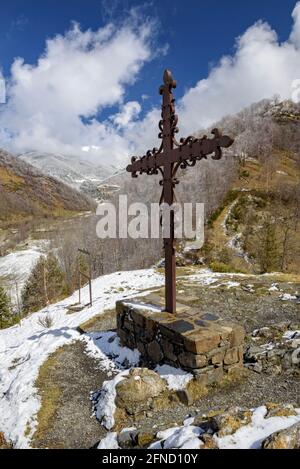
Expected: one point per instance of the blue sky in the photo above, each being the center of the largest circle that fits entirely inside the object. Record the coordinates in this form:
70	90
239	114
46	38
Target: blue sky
195	31
190	37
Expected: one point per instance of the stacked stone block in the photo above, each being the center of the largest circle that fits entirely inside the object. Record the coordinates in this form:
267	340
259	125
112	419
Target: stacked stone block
200	343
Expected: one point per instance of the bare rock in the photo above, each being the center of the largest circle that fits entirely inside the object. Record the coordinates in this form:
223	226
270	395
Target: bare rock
280	410
257	367
127	439
137	392
209	442
192	393
284	439
230	421
144	439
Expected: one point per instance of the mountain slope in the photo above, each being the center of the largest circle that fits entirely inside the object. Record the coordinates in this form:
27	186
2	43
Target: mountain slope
257	226
72	170
26	193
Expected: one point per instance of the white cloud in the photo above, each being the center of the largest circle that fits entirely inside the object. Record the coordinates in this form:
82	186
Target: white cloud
260	68
83	72
295	35
79	74
128	112
2	89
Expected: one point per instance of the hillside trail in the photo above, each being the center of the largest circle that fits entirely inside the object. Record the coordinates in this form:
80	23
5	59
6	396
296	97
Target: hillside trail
221	237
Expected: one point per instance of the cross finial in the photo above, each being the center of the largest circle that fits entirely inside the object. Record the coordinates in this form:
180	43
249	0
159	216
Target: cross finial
168	81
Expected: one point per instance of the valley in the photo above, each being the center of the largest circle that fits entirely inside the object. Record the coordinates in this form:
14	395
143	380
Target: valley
247	272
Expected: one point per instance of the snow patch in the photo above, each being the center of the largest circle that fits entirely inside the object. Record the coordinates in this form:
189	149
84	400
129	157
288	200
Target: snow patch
291	335
229	285
106	346
142	306
248	437
176	378
282	173
288	297
251	436
15	267
105	406
109	442
274	287
186	437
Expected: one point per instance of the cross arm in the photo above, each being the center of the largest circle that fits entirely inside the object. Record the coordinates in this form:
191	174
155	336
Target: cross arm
185	154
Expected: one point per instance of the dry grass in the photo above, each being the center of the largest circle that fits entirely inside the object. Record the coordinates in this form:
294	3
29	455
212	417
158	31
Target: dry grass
46	321
50	395
103	321
3	443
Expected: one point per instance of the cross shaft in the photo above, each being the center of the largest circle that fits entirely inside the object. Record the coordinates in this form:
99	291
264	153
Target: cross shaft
166	160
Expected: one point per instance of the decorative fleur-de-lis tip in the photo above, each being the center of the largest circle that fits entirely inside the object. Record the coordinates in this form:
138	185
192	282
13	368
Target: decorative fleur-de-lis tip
224	140
216	133
168	79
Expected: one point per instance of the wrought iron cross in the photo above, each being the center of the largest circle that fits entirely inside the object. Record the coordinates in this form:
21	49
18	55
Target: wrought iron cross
167	159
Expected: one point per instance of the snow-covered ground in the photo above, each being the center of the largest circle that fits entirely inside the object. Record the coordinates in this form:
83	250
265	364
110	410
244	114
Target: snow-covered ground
16	267
187	436
247	437
24	348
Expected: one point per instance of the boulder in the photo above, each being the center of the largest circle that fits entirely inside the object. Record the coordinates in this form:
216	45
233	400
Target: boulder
208	442
138	390
144	439
127	439
192	393
284	439
230	421
280	410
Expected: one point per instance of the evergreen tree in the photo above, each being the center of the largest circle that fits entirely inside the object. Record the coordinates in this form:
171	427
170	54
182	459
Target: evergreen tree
268	247
45	285
5	311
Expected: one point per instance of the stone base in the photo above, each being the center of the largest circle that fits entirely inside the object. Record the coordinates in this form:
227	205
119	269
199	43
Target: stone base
201	343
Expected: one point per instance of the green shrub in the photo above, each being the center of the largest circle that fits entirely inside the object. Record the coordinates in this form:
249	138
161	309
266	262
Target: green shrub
220	267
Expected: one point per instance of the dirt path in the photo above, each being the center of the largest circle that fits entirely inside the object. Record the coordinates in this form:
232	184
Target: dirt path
65	382
220	237
69	375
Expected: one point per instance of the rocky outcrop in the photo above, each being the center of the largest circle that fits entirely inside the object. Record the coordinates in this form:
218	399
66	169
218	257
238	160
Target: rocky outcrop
232	427
284	439
229	422
281	352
